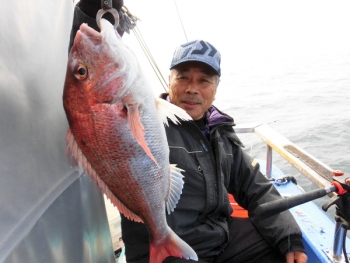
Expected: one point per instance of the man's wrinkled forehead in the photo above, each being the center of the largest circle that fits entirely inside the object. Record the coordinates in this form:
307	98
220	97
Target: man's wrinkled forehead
187	66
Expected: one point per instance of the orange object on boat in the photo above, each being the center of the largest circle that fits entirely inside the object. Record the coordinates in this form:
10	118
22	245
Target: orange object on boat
238	211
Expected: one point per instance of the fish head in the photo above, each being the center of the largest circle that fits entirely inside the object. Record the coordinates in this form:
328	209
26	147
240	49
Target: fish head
96	69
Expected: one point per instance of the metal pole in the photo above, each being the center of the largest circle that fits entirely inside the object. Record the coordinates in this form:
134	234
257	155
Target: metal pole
338	240
269	162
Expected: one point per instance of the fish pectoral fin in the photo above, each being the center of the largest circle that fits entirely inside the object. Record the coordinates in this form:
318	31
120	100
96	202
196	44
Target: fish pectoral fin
176	185
137	128
171	111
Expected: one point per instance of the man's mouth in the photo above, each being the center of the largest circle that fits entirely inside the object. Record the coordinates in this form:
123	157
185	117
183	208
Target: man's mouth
190	102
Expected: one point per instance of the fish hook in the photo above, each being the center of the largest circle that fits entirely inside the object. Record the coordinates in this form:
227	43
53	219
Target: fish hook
106	6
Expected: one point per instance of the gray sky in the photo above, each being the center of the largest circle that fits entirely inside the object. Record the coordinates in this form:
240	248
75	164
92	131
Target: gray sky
245	32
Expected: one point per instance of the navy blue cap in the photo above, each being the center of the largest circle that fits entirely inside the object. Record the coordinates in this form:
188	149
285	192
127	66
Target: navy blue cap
198	50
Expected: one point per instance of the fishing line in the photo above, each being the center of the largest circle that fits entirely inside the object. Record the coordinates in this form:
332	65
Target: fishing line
178	13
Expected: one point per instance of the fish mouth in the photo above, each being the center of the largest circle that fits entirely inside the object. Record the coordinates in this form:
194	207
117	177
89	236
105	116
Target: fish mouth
87	32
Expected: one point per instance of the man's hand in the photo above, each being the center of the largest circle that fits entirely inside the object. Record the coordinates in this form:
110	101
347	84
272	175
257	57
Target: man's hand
296	257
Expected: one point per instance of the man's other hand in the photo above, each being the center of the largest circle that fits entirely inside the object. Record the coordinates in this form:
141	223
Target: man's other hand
296	257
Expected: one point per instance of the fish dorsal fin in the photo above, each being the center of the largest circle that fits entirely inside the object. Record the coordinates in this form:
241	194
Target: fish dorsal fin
136	126
169	110
80	158
176	185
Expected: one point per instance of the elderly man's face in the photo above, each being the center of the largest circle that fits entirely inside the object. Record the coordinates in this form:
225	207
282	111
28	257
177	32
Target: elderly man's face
192	87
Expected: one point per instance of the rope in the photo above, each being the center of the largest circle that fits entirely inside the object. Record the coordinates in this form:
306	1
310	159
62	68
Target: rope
132	23
285	180
150	58
131	20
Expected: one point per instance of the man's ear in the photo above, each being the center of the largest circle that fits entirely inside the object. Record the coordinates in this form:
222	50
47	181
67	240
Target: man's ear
169	78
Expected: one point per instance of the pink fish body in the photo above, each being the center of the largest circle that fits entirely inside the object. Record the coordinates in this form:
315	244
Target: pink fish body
117	135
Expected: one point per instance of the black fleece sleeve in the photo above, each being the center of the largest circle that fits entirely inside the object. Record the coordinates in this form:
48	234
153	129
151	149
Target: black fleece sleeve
250	189
85	12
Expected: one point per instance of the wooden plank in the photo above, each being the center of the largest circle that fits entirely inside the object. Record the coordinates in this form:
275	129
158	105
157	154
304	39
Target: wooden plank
313	169
311	162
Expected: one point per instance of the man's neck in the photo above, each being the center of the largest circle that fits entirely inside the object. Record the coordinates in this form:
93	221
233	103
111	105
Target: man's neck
201	122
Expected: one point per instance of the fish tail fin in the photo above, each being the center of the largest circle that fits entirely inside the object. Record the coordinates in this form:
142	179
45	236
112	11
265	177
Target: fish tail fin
171	111
174	246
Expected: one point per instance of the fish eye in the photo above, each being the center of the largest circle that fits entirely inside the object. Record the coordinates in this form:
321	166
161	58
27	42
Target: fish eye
81	72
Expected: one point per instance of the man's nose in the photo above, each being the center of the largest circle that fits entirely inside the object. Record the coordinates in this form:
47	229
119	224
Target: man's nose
192	88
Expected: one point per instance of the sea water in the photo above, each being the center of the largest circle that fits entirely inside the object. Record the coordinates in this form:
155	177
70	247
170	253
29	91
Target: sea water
307	100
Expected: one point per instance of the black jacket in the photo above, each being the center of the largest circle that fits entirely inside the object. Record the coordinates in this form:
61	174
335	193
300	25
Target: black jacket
214	168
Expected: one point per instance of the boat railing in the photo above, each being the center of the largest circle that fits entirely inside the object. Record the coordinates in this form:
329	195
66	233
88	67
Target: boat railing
317	172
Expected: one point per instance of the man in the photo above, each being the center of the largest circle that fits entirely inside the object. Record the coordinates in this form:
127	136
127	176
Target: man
215	165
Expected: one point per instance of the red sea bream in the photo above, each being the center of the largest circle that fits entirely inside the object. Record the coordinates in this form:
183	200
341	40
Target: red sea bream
117	134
